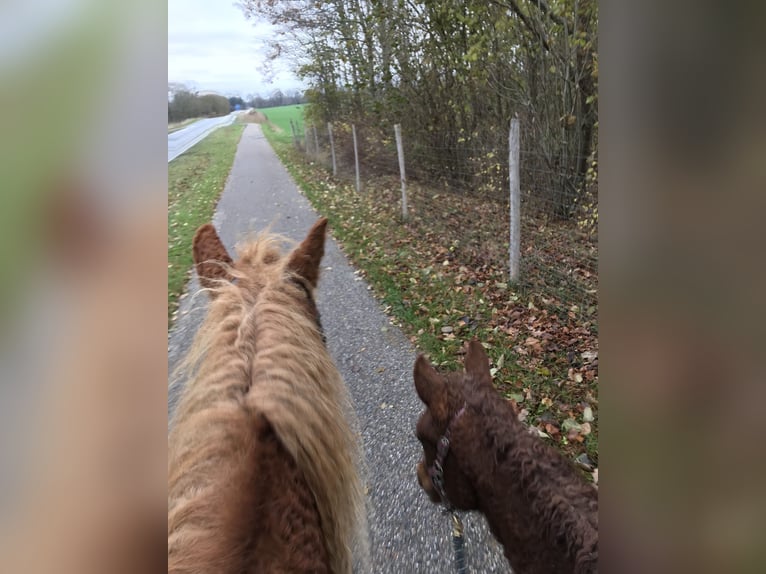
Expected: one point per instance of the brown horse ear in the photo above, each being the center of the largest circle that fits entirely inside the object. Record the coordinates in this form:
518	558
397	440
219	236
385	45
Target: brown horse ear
477	362
210	256
431	387
306	258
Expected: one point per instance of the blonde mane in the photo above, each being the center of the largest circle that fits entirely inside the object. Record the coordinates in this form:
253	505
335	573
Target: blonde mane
260	352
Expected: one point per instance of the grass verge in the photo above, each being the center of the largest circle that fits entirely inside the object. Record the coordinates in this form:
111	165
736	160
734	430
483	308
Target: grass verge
195	181
175	126
543	357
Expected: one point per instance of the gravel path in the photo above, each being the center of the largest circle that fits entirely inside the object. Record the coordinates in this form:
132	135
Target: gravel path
408	534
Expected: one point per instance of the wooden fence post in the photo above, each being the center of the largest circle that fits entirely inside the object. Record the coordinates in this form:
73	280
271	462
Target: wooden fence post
306	139
400	153
332	149
295	133
316	140
515	184
356	159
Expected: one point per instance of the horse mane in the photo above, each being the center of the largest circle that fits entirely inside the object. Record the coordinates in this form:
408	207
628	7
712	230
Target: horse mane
260	353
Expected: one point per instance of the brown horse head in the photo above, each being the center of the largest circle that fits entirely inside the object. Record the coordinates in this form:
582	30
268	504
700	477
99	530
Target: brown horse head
535	501
265	402
444	397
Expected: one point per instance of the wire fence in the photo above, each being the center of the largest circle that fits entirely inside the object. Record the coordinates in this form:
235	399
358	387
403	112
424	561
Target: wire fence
461	190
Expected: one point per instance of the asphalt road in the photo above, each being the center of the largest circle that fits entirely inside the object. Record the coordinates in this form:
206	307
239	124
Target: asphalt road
408	534
181	140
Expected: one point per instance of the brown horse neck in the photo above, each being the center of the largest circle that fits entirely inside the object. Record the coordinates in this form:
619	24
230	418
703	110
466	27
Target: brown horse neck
535	502
284	520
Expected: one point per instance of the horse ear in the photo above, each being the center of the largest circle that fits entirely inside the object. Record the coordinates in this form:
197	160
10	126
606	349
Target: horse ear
306	258
477	362
431	387
210	256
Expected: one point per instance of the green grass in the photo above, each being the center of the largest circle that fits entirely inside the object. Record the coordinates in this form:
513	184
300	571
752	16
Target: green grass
422	295
195	181
280	118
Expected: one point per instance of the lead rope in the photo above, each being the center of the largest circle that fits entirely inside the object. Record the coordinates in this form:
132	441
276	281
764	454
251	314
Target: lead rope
436	473
458	544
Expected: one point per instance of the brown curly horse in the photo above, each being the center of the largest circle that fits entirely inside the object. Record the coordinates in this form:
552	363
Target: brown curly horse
535	501
262	460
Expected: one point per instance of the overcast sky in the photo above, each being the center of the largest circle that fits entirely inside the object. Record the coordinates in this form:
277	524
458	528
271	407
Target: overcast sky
211	46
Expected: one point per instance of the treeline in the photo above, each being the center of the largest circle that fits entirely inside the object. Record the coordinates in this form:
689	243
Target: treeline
454	73
278	98
185	105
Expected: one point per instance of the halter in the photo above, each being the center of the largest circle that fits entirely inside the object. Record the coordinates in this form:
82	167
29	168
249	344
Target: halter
436	474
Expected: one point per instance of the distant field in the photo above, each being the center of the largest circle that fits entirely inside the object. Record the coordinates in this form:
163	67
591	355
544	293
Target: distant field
280	117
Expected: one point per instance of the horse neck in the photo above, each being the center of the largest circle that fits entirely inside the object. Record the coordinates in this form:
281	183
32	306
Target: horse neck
289	340
284	513
217	365
527	490
296	385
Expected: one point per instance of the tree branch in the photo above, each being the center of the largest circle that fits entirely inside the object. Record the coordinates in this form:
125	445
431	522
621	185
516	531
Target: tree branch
514	7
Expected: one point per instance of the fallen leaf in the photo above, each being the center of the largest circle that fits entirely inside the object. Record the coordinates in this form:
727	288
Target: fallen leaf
551	429
570	424
574	436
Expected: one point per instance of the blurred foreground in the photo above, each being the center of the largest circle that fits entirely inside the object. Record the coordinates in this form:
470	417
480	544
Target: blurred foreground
82	257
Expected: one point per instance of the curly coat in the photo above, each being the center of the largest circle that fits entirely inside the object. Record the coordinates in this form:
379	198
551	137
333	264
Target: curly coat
262	462
536	502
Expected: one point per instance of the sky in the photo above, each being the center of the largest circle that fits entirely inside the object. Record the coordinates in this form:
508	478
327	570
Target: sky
212	46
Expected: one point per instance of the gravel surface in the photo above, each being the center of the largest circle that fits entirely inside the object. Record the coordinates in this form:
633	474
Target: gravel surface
408	534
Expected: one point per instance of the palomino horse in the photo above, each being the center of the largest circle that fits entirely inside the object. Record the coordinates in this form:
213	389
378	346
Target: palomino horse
262	462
